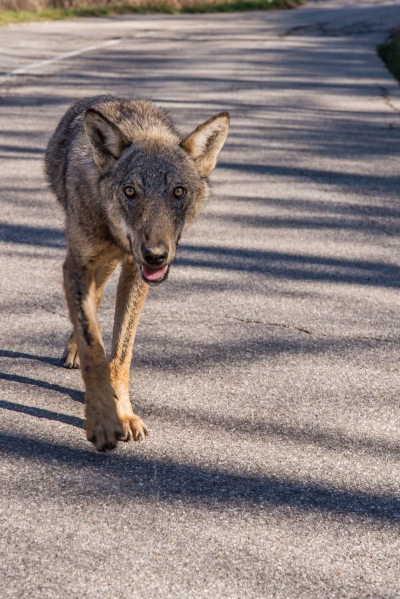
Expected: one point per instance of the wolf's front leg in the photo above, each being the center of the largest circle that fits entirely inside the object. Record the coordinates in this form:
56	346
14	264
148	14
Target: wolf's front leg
131	295
70	358
103	426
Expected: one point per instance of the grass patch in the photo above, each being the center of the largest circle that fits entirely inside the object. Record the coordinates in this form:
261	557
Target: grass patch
8	17
241	5
390	53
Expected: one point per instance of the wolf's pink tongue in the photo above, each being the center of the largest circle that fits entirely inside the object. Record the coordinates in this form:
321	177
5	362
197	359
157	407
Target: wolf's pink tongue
154	274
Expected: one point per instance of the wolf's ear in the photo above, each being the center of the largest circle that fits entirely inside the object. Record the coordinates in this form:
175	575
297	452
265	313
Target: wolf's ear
204	144
106	139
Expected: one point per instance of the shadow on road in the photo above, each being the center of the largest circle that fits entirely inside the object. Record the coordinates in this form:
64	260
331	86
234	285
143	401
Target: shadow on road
332	440
6	353
283	265
266	429
41	413
16	378
367	183
10	149
25	235
314	214
278	264
166	481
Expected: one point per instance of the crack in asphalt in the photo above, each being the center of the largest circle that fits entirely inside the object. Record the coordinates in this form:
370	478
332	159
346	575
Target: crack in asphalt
308	332
271	324
329	28
386	97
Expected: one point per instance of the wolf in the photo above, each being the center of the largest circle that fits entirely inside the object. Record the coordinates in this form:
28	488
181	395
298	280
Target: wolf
130	184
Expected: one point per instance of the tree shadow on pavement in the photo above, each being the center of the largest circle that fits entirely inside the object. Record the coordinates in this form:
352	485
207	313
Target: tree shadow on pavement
13	149
278	264
169	481
267	429
312	214
290	266
368	183
42	413
6	353
25	235
16	378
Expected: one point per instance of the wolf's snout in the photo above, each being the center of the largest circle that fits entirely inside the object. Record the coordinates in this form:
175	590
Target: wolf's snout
155	269
155	256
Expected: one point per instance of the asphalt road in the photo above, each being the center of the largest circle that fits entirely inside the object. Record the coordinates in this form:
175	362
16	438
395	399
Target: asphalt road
266	368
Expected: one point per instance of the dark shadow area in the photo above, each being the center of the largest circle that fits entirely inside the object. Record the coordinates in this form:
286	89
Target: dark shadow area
297	215
358	181
29	101
290	266
171	481
145	69
263	430
277	264
16	378
312	208
258	344
360	20
25	235
306	435
9	149
41	413
214	355
5	353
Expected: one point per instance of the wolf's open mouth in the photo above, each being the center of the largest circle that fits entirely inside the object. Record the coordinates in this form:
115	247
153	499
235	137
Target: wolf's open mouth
153	276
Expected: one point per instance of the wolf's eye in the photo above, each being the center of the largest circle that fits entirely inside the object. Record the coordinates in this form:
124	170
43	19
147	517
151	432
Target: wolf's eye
179	192
129	191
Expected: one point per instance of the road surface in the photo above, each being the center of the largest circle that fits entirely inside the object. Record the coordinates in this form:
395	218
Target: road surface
266	369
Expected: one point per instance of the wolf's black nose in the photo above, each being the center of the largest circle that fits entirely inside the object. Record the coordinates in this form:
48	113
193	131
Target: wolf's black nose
155	256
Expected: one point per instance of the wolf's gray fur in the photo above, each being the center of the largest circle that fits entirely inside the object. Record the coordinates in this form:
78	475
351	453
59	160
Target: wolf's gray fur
129	185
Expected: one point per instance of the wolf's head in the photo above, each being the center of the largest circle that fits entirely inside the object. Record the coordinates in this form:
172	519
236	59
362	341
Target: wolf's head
153	182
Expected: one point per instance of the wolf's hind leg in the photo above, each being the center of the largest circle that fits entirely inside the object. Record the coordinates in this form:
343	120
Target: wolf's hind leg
70	358
131	295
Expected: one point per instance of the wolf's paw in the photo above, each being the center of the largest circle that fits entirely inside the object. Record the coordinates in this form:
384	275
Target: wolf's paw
70	358
134	429
104	430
